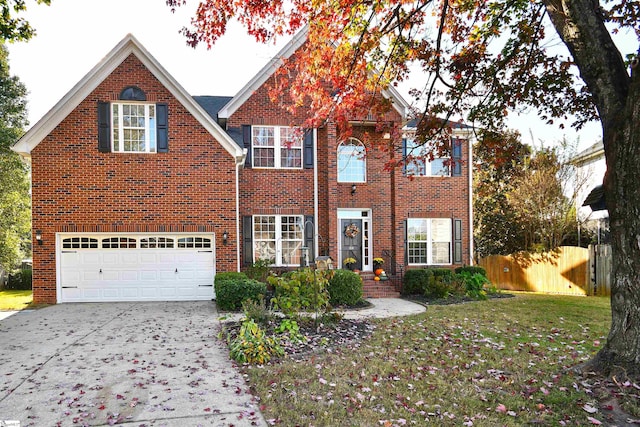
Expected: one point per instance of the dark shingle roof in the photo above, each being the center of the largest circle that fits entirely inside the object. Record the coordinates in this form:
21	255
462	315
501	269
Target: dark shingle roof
213	104
595	199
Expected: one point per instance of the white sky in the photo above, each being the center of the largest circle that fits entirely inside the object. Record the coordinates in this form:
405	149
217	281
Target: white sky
74	35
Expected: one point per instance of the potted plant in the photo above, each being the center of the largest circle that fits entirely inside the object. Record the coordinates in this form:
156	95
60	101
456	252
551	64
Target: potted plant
349	262
377	266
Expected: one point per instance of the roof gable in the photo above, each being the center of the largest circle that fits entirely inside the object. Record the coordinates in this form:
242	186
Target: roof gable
128	46
272	66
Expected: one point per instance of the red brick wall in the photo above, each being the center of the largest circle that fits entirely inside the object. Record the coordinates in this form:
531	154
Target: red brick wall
390	196
190	188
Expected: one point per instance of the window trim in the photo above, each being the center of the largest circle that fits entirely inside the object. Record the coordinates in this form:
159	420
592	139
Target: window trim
360	145
277	147
278	240
429	241
117	132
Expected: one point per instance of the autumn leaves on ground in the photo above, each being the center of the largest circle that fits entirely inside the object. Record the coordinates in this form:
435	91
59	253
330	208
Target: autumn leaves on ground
497	362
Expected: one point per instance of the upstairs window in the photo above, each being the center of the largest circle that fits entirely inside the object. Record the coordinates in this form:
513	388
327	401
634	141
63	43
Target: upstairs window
352	162
133	127
276	147
418	162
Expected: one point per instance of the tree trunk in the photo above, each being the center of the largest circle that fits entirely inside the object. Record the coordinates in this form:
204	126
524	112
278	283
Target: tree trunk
580	24
622	189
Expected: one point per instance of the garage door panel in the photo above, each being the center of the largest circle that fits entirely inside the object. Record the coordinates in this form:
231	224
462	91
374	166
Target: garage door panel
136	274
148	275
110	258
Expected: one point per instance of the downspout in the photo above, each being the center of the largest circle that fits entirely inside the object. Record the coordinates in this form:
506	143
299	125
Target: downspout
470	200
239	164
316	220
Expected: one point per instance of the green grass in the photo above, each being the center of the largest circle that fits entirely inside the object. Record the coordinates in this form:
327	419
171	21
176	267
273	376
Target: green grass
15	300
499	362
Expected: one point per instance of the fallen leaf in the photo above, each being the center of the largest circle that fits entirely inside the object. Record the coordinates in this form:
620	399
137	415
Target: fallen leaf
590	409
594	421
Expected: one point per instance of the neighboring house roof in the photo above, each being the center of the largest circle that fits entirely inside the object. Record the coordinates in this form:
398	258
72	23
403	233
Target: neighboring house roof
272	66
594	152
129	45
595	199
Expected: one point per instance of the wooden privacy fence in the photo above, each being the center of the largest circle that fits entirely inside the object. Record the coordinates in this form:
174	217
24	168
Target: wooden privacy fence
565	270
600	269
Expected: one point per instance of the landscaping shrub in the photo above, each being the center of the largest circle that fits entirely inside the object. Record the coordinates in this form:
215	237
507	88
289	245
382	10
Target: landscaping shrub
231	292
21	280
345	288
301	290
259	270
233	275
475	284
438	286
473	269
415	282
252	345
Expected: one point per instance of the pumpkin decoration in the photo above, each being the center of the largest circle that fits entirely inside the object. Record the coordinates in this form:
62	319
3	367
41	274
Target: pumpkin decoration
377	278
379	272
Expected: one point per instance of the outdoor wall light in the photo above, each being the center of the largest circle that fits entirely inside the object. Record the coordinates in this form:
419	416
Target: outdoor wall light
39	236
225	237
353	189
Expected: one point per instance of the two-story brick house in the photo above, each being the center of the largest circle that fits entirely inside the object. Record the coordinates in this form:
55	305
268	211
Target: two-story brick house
143	192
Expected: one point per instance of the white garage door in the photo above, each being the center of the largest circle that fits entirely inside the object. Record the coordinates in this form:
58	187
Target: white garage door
135	267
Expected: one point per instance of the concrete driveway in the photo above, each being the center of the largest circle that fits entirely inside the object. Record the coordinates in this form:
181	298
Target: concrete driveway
137	364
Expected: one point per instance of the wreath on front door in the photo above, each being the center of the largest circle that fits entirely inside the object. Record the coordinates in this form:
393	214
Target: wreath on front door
351	231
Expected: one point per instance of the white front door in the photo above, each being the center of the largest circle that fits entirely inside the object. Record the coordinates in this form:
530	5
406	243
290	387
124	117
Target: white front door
135	267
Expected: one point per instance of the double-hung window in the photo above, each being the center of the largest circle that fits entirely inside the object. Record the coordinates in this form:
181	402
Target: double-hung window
278	238
133	127
429	241
419	163
276	147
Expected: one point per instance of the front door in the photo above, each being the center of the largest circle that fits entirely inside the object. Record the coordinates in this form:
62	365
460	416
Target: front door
352	241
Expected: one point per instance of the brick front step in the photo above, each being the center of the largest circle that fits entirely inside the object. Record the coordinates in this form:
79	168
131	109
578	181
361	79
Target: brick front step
378	289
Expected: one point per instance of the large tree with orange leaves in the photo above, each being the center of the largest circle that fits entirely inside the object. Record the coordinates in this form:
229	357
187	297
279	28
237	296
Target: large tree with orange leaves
480	60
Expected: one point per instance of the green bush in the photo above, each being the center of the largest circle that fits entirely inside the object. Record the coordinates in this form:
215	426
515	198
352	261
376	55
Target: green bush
230	293
301	290
20	280
445	273
253	346
415	282
230	275
260	270
438	287
345	288
473	269
475	284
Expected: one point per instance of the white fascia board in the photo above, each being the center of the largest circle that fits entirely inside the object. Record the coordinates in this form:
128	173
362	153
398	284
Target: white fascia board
129	45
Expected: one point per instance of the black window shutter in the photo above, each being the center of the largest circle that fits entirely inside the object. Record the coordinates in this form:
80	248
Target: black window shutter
309	231
457	241
457	157
247	240
307	153
246	141
104	127
162	127
404	156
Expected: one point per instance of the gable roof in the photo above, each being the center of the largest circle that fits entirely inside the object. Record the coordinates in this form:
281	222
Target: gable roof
129	45
272	66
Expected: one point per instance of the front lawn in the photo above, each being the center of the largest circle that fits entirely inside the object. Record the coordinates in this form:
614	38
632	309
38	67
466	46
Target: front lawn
497	362
15	300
